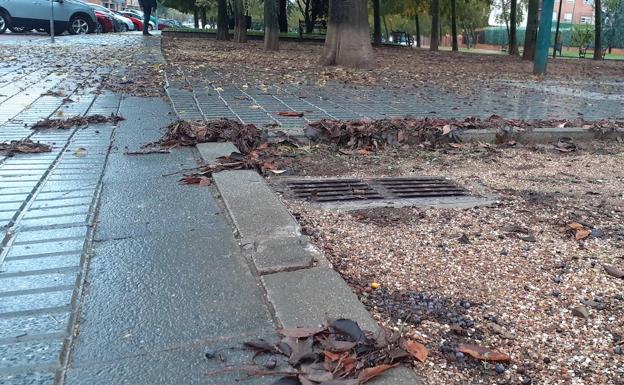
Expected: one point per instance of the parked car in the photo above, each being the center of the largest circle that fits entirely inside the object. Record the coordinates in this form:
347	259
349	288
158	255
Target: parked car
139	15
169	23
69	15
105	23
122	23
138	24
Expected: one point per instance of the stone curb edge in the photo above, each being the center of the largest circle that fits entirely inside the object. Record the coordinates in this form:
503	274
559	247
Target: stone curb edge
300	284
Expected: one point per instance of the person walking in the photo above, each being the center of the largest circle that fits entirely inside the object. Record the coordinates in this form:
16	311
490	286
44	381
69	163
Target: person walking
147	6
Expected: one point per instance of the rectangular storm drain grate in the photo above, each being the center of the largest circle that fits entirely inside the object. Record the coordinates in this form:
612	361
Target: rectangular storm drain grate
335	190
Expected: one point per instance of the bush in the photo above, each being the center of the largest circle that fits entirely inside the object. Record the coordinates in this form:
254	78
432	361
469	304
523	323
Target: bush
582	35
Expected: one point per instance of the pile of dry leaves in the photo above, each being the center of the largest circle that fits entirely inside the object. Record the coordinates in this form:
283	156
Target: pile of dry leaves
185	133
427	132
342	354
24	146
76	121
339	354
258	151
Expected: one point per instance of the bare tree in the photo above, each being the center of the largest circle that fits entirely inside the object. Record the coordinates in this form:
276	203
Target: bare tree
348	35
435	25
240	22
222	21
271	25
598	30
530	37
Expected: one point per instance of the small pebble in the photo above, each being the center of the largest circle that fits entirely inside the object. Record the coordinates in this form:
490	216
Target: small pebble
210	353
500	368
618	350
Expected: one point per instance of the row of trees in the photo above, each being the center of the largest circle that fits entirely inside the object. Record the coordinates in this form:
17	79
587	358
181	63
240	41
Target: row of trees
348	33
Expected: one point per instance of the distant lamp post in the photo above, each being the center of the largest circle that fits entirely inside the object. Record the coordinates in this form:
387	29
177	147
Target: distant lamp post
52	20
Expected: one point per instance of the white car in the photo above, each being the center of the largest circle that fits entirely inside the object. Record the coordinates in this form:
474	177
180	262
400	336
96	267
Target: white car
126	24
69	15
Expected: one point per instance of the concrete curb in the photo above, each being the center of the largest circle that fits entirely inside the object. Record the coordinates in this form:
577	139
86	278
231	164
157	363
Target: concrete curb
537	135
301	286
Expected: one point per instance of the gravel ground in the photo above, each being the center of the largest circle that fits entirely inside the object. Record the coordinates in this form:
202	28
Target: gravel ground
505	277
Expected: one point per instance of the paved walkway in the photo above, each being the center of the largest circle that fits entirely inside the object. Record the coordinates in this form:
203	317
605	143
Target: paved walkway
110	273
211	98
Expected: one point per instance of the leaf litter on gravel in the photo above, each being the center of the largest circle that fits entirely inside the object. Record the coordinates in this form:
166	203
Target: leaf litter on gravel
431	132
24	146
340	353
76	121
258	148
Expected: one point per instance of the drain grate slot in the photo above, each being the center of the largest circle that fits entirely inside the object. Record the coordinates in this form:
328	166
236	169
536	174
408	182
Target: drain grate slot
333	190
338	190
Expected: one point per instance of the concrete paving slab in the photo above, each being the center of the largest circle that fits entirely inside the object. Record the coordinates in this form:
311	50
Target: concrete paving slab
312	296
146	293
154	206
279	254
210	152
253	206
184	364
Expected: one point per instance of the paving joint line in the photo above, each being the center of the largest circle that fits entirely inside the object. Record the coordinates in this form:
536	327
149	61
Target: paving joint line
50	289
32	338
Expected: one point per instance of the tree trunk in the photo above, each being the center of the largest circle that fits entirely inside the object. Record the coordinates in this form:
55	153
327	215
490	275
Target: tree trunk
513	24
386	27
240	24
309	24
222	21
377	23
435	25
598	26
454	24
283	15
203	17
271	25
195	16
348	35
530	37
417	30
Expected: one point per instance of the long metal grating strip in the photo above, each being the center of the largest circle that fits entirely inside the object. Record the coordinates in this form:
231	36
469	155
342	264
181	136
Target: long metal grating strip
336	190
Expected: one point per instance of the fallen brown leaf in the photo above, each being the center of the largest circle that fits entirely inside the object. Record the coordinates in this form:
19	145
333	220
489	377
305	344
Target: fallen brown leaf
370	373
484	354
417	350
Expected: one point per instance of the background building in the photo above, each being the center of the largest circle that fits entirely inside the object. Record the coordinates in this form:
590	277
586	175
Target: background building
575	11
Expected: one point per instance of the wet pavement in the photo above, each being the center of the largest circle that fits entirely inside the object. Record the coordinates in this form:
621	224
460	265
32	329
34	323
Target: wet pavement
211	97
110	273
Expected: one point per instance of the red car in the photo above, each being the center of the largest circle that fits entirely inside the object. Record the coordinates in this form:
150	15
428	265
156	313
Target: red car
138	24
104	23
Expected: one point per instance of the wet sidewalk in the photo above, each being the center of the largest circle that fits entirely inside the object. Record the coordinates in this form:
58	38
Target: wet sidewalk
110	272
166	280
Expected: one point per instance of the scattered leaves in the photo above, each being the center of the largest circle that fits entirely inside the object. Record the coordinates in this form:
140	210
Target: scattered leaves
24	146
76	121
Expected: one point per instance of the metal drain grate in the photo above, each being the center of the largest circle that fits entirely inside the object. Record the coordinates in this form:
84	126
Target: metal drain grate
336	190
333	190
423	187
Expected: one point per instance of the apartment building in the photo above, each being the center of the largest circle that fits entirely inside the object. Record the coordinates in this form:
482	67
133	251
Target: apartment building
575	11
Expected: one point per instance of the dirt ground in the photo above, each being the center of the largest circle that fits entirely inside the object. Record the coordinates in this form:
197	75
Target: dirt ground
507	277
396	67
